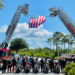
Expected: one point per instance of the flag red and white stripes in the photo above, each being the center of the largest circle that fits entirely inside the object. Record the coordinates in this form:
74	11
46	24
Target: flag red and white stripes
35	22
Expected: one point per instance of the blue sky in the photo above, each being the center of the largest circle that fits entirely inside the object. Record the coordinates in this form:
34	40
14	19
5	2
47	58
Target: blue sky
36	8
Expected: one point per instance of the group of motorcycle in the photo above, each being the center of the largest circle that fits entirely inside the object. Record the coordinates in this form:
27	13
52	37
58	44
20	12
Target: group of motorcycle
37	68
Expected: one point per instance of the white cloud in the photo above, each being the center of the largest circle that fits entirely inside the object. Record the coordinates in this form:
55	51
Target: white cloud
3	28
33	36
43	33
39	32
64	33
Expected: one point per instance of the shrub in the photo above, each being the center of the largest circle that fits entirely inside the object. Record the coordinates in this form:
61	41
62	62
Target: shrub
56	58
69	67
72	71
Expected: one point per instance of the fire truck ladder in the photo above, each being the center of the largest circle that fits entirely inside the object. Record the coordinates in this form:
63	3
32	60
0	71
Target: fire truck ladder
13	23
70	25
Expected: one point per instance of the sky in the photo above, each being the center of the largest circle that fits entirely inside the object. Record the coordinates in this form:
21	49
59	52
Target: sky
35	37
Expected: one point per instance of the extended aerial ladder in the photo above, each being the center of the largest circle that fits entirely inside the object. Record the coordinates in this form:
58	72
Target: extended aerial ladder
13	23
4	52
70	25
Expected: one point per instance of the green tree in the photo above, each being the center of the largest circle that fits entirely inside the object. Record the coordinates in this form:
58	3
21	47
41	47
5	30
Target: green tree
1	4
49	41
70	41
65	40
54	42
0	45
17	44
57	38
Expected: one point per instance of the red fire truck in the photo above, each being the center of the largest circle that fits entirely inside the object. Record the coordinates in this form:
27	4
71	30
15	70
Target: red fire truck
4	52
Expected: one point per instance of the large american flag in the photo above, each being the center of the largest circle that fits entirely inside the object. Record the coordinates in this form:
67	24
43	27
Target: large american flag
35	22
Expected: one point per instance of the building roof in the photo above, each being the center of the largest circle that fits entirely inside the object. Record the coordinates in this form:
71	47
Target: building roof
68	56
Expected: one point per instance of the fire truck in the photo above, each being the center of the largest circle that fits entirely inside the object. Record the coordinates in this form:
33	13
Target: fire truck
4	52
67	21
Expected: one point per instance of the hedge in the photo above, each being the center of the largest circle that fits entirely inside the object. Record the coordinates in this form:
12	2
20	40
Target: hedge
72	71
69	67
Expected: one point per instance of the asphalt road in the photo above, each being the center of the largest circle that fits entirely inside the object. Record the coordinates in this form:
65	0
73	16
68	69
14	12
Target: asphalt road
40	73
29	74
